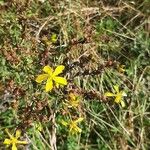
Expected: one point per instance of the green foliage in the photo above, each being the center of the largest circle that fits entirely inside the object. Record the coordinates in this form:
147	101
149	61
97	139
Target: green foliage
92	40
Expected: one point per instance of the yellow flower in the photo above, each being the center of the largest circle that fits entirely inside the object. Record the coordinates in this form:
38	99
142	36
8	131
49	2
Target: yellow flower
48	42
54	38
118	95
73	128
51	77
121	69
14	140
73	101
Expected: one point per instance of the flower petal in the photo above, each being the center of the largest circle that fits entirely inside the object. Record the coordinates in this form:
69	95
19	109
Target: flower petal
58	70
64	123
116	87
79	120
14	146
41	77
18	133
72	97
48	70
71	130
11	136
49	85
60	80
74	130
7	141
109	94
74	103
118	98
78	129
54	38
57	85
22	142
121	69
122	103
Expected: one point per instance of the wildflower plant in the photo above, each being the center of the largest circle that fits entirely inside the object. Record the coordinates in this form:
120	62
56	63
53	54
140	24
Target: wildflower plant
52	77
97	48
14	139
118	95
73	101
52	40
72	125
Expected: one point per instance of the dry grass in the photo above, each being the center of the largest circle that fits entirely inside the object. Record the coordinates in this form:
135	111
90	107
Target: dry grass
94	38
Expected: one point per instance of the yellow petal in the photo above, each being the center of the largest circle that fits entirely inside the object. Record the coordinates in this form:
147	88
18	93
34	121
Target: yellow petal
48	70
122	103
116	87
57	85
11	136
78	129
18	133
71	130
54	38
64	123
118	98
41	77
38	126
78	120
7	141
73	103
14	146
109	94
74	129
22	142
58	70
121	69
49	85
60	80
72	96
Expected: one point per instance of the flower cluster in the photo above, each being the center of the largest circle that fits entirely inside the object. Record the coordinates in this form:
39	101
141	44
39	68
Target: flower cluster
53	80
72	102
